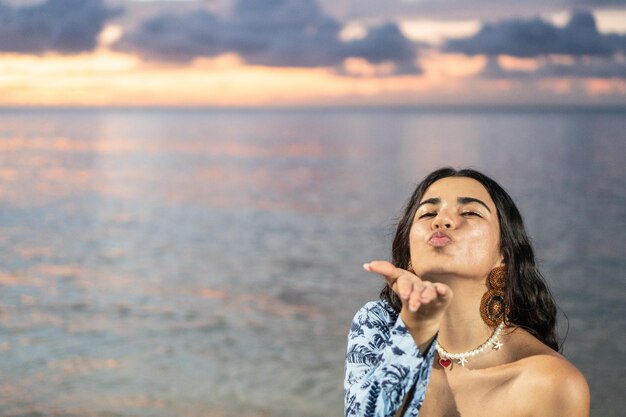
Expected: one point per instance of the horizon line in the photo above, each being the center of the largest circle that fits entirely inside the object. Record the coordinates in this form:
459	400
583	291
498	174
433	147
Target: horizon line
502	107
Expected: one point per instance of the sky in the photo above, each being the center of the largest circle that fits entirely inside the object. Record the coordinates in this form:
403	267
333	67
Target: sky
266	53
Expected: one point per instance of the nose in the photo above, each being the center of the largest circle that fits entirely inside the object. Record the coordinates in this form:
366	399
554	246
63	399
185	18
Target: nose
443	221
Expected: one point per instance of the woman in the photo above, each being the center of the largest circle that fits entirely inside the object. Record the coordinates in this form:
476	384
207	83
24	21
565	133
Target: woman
465	325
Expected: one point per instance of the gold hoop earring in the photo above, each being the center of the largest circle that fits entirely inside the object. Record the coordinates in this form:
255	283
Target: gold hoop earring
493	308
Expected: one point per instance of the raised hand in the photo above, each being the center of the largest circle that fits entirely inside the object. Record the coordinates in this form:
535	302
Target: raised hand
423	302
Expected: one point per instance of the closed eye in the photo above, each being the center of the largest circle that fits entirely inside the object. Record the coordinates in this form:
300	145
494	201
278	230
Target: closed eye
471	213
426	215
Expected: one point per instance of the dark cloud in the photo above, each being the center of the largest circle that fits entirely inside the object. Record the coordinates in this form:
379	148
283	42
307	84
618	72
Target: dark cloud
594	55
455	10
593	69
268	32
177	37
66	26
580	68
385	43
536	37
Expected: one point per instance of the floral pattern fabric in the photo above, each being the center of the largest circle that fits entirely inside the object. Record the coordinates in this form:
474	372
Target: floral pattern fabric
382	364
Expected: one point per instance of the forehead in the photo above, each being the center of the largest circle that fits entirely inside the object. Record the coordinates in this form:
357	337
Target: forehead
453	187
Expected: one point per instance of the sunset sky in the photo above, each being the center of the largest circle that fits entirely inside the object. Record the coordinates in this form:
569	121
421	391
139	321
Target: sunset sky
240	53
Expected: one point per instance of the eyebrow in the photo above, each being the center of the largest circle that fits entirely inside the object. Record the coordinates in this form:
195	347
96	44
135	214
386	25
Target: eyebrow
460	200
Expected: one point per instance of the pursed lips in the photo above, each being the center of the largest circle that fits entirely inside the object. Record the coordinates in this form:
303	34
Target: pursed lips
439	239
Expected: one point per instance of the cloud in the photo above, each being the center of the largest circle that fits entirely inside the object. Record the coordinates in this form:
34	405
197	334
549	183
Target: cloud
451	10
176	37
384	43
587	68
593	54
593	69
536	37
66	26
280	33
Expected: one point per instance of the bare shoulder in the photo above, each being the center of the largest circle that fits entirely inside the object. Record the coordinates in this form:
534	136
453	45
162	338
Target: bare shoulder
556	386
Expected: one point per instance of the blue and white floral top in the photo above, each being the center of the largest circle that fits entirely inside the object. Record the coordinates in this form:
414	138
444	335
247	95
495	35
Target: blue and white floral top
382	364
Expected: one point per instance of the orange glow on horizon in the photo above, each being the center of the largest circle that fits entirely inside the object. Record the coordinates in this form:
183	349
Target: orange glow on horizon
106	78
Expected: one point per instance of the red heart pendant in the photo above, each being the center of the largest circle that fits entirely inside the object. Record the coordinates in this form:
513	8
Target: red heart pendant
445	362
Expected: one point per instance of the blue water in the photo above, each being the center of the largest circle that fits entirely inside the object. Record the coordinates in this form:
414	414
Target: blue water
207	263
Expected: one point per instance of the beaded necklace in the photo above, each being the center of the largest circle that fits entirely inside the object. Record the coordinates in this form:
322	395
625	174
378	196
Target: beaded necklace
445	358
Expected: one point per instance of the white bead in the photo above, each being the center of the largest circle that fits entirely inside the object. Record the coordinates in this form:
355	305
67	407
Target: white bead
462	357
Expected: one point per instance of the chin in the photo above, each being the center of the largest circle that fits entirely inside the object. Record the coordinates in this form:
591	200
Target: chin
434	271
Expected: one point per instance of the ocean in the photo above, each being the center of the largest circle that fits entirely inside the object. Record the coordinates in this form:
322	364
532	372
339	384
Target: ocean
203	262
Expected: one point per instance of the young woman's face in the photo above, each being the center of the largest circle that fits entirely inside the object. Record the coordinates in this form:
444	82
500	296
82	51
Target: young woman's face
455	230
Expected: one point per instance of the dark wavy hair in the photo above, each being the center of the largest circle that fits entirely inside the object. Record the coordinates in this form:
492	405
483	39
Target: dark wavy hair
531	305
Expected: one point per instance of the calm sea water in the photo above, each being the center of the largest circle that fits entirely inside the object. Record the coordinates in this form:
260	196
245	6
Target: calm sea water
207	263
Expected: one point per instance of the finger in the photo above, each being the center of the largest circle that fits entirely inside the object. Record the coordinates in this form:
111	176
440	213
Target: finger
414	299
404	288
428	293
386	269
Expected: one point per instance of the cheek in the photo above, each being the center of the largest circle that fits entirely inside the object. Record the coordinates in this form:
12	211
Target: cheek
484	243
416	240
421	229
418	234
